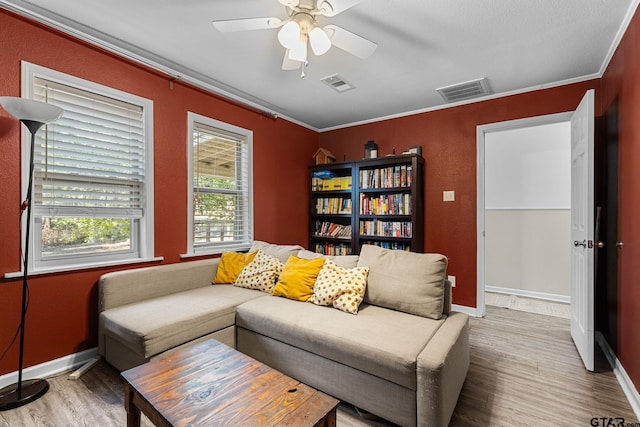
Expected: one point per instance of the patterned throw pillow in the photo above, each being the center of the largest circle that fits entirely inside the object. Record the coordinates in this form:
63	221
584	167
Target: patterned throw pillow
261	273
341	287
231	265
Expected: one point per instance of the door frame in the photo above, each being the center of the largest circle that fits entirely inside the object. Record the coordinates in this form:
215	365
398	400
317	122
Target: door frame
481	132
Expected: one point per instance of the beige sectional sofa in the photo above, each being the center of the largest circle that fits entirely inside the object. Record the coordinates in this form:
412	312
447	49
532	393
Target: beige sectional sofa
403	357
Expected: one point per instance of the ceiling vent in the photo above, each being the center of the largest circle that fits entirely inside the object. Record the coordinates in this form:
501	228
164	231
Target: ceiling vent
466	90
337	83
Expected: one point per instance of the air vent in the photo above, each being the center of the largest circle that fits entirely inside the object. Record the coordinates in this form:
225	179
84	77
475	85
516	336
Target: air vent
466	90
337	83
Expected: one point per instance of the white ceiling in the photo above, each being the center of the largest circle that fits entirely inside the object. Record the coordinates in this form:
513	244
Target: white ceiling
422	45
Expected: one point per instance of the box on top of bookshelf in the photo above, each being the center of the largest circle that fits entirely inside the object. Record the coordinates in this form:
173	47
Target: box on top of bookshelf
332	177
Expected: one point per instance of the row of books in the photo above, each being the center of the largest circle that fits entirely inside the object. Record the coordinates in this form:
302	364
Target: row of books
333	249
330	184
385	228
389	177
386	204
399	246
333	205
330	229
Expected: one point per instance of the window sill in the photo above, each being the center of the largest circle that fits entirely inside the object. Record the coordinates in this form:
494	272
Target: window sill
70	268
217	251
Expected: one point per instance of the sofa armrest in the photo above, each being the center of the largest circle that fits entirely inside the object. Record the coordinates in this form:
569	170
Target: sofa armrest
441	370
446	306
130	286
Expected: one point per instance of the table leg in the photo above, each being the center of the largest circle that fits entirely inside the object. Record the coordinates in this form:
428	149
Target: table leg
329	420
133	412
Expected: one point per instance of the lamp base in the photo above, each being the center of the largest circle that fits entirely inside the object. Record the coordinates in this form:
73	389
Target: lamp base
31	390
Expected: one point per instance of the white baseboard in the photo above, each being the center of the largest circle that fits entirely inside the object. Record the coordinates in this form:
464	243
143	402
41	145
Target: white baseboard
51	367
471	311
621	375
529	294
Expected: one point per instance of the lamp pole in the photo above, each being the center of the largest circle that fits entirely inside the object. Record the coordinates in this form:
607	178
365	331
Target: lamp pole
33	127
33	115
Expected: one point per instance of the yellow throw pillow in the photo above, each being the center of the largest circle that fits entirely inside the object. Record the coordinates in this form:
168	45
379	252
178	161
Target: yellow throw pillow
261	273
341	287
230	266
297	278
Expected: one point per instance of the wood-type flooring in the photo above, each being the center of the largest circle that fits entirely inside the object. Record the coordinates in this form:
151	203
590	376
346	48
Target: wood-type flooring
525	371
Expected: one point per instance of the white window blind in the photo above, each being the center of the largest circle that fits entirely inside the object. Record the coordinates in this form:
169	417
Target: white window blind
93	174
221	188
93	158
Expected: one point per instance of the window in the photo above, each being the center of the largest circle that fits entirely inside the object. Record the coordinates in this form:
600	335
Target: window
220	186
93	176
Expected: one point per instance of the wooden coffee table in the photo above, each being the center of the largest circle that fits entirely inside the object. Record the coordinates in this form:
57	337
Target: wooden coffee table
212	384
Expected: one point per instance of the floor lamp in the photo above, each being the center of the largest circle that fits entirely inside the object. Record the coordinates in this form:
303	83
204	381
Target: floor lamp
33	114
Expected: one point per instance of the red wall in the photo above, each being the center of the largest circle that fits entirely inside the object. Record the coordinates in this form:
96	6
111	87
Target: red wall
448	140
622	79
62	317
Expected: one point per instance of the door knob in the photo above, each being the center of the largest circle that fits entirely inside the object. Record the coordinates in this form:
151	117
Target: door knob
577	243
619	245
599	244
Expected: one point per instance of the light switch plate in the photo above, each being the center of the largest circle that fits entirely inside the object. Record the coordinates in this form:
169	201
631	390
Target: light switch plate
448	196
452	279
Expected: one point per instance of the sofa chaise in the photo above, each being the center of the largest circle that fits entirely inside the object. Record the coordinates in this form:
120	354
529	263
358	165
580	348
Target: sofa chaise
404	356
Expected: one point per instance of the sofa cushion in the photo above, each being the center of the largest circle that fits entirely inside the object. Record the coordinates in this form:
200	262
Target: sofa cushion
261	273
298	278
382	342
343	288
139	284
345	261
231	264
405	281
158	324
282	252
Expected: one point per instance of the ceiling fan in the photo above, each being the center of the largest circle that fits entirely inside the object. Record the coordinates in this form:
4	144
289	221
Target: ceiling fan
300	29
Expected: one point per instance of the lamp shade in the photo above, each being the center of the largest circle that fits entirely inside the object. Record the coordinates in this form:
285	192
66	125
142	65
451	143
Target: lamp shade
298	52
319	41
30	110
289	34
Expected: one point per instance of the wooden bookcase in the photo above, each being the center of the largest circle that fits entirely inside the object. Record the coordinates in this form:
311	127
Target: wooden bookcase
332	208
376	201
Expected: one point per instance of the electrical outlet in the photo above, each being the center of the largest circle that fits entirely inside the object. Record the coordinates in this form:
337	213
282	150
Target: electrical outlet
449	196
452	279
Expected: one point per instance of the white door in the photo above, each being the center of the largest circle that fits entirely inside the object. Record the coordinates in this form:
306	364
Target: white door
582	229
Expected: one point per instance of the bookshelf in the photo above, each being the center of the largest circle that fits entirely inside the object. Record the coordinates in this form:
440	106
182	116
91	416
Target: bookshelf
390	202
331	225
375	201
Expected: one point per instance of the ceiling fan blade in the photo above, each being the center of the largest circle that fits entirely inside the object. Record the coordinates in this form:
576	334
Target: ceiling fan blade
334	7
290	3
350	42
289	64
230	25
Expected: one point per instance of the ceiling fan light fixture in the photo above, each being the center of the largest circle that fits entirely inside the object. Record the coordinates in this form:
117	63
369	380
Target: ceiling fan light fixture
298	52
319	41
289	35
